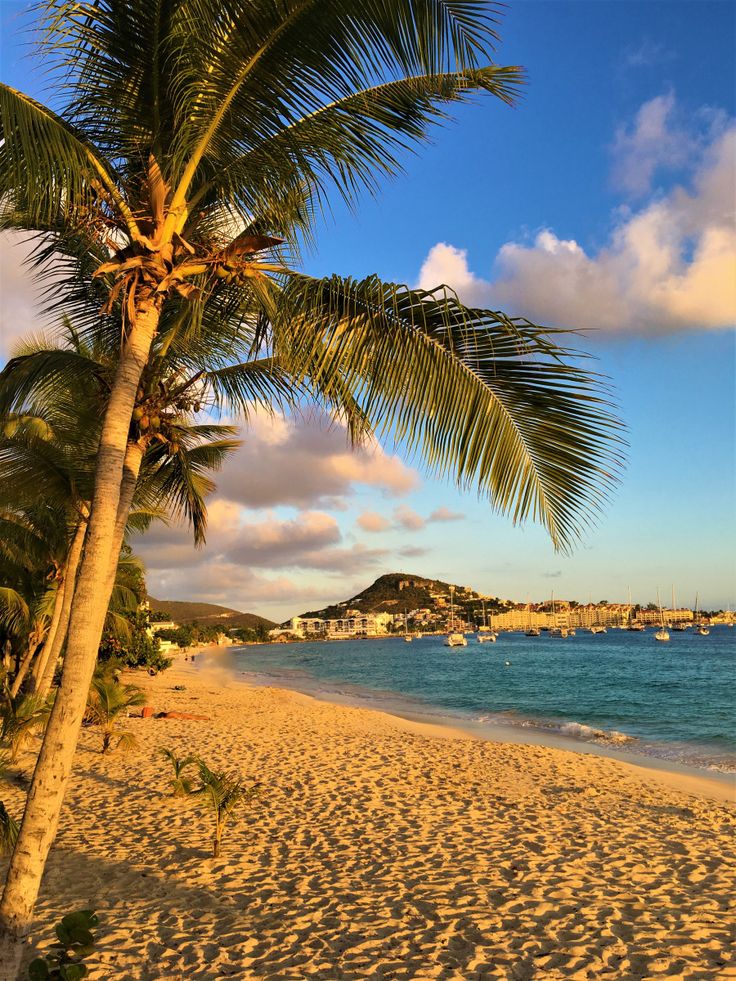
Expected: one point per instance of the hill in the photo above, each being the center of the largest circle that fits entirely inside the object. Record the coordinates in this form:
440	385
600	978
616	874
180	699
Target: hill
208	614
399	591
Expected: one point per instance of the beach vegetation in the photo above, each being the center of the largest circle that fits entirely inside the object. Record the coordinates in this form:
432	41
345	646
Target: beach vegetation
223	794
22	717
9	828
109	700
181	785
193	149
136	648
74	942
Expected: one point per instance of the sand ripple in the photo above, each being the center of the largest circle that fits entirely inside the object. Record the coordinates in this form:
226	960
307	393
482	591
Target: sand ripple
382	852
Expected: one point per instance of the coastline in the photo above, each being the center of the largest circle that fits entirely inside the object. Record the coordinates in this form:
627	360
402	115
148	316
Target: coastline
380	847
679	776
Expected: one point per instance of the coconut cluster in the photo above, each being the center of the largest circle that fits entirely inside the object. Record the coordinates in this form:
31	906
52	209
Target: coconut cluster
156	412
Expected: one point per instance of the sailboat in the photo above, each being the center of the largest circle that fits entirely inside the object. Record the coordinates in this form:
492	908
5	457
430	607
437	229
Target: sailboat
662	633
700	626
408	638
531	631
638	627
556	631
484	635
679	625
454	639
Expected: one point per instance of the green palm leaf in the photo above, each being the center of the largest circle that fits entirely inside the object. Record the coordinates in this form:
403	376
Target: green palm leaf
494	400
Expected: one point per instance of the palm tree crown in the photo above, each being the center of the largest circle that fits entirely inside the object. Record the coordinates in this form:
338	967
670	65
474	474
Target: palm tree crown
197	144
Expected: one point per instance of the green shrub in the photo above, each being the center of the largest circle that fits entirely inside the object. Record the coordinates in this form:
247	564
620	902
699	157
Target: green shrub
74	942
9	829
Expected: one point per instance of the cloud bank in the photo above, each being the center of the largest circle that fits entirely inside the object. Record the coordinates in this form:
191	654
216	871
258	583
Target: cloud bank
668	265
253	553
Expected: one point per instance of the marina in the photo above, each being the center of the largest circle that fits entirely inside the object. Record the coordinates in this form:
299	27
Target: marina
603	689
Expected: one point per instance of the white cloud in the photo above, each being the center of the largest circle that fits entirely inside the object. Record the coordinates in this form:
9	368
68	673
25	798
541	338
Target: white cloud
654	141
307	462
647	54
372	522
18	294
244	561
273	543
445	514
408	519
671	265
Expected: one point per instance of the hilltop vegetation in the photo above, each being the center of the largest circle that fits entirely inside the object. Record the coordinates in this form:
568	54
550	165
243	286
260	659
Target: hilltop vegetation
399	591
208	614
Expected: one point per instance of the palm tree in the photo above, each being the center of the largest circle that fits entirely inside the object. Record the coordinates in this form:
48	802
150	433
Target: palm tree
223	795
106	702
198	142
180	784
46	464
21	717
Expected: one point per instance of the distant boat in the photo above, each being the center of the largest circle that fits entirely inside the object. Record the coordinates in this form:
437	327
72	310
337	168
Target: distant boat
638	627
486	636
662	633
598	630
679	625
454	639
530	630
554	630
408	638
701	628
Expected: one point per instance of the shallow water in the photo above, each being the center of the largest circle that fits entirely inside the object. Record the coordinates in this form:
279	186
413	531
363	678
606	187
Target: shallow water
674	701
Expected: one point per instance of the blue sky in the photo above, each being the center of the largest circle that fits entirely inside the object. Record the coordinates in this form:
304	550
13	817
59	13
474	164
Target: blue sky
604	200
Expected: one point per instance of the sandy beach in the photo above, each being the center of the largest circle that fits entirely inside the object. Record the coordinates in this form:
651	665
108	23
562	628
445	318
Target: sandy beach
383	848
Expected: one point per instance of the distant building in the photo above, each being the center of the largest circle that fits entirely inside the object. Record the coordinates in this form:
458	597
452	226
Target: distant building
162	625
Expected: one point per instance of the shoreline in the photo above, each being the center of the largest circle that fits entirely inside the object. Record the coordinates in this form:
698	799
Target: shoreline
379	847
678	776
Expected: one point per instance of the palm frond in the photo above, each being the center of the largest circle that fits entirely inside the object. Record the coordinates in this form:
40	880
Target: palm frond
48	166
495	400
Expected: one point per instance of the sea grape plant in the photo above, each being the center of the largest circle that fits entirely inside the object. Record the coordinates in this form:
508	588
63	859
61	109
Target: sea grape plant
74	942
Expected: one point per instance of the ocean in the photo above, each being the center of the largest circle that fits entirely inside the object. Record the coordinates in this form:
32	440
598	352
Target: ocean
672	701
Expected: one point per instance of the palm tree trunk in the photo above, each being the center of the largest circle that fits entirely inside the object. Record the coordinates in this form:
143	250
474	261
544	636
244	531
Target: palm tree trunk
91	598
45	667
33	646
131	470
43	653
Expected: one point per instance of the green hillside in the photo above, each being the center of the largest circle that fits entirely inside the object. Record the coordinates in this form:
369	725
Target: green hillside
208	614
399	591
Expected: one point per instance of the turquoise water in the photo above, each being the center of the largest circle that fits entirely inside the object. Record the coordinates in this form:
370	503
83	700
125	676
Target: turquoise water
674	701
